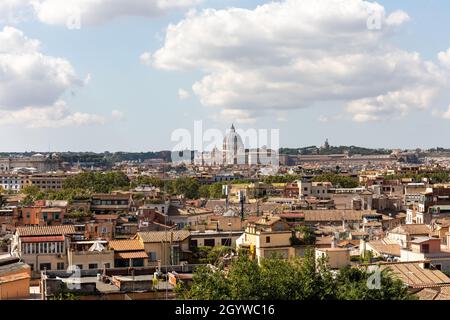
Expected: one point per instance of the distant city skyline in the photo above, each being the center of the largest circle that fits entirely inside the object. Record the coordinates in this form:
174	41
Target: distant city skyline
95	77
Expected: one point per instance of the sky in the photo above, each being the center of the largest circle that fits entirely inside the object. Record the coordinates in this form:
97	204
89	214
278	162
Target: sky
113	75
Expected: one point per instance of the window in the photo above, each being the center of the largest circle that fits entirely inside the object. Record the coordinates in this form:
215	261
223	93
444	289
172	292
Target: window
210	242
137	262
60	266
93	266
151	256
425	248
80	266
267	239
438	266
226	242
194	243
31	266
45	266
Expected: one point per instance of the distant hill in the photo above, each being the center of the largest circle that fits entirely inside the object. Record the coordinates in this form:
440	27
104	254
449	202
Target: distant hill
351	150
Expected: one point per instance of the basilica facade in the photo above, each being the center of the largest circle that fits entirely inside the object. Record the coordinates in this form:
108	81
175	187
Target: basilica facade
234	153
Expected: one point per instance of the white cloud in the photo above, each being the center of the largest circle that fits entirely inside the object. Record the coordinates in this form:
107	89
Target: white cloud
116	114
397	18
27	76
146	58
444	58
56	116
13	11
92	12
234	115
183	94
85	12
31	84
290	54
445	114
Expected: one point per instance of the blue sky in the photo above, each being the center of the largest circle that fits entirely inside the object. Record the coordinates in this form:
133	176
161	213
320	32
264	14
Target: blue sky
148	109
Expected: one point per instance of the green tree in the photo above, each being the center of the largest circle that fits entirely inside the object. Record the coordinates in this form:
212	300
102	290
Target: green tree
215	191
352	283
203	191
65	296
337	180
307	235
295	279
101	182
188	187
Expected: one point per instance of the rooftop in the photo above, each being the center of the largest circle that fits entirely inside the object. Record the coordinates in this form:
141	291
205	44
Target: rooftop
412	274
45	230
411	229
166	236
126	245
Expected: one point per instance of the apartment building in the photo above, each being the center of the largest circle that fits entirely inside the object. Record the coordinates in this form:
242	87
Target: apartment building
211	238
47	181
315	189
12	182
43	247
41	215
44	181
111	203
129	253
427	249
267	237
404	234
90	255
165	247
336	258
38	162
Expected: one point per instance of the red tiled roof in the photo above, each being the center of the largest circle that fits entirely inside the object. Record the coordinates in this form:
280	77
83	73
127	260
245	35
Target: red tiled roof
45	230
291	215
42	239
106	217
132	255
126	245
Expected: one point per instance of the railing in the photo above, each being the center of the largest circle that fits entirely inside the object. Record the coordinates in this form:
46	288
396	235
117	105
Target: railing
85	253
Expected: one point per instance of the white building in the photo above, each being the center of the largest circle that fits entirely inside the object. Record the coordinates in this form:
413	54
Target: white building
315	189
233	148
11	182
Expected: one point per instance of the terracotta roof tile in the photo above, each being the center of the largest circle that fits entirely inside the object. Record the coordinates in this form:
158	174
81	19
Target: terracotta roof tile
412	229
126	245
132	255
158	236
45	230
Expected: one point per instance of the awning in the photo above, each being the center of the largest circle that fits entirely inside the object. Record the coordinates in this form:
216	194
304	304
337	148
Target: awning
132	255
42	239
